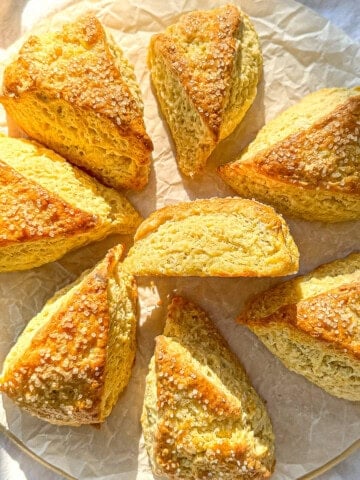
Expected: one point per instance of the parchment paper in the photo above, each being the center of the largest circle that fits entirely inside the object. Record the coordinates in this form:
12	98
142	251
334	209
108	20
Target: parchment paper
302	53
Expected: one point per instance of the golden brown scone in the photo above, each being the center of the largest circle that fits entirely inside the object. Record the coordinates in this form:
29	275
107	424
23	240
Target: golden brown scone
75	357
225	237
205	69
73	91
312	323
201	416
48	207
306	161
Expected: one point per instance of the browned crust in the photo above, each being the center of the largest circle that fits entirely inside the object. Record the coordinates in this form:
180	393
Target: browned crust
228	206
328	317
89	81
297	160
61	378
175	376
226	454
206	83
177	381
29	212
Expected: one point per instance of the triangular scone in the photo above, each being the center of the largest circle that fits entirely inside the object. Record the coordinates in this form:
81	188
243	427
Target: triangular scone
73	91
205	69
48	207
312	323
75	357
201	416
225	237
306	161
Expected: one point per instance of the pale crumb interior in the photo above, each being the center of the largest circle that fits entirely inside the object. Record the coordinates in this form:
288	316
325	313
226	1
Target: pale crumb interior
336	372
122	331
193	140
214	244
83	139
310	204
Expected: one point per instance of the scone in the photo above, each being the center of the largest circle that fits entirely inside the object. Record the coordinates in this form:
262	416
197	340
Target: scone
73	91
201	416
225	237
306	161
312	323
75	357
205	69
48	207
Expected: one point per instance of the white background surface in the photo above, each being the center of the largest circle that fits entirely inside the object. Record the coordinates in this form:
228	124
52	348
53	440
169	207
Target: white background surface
15	465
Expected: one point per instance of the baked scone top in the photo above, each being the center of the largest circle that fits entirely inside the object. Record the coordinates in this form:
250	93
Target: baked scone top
325	304
306	161
43	196
202	418
313	144
323	154
28	212
201	49
78	64
72	359
66	355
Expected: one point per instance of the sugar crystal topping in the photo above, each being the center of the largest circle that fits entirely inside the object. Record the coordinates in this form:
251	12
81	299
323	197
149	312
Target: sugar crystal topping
62	374
202	56
327	155
29	212
75	64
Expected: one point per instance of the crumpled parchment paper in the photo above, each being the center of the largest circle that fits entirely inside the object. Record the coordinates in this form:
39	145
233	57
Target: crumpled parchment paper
302	53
